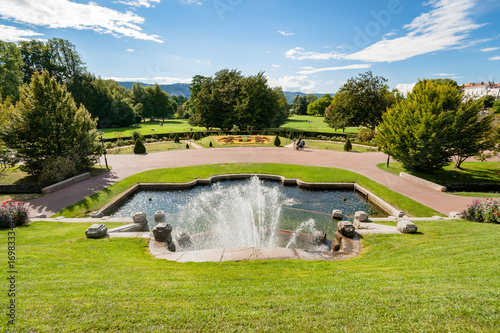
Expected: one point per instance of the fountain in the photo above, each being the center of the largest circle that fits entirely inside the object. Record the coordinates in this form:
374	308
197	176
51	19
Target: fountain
251	213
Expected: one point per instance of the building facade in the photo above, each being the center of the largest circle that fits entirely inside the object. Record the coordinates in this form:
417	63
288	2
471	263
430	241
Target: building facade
478	90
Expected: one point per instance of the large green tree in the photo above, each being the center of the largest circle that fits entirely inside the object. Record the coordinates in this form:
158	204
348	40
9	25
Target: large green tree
429	127
299	105
57	56
318	107
336	114
368	97
157	103
48	125
10	71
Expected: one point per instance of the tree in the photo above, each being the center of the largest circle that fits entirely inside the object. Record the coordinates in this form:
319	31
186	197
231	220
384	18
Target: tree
348	145
496	106
368	97
57	56
488	101
318	107
431	125
311	98
157	103
337	113
48	125
299	105
139	147
277	141
470	135
10	71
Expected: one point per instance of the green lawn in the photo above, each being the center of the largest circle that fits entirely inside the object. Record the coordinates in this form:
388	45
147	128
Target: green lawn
336	146
314	124
306	123
443	279
14	175
150	148
471	173
169	126
305	173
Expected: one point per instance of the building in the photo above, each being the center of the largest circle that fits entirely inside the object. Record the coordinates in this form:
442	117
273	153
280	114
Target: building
478	90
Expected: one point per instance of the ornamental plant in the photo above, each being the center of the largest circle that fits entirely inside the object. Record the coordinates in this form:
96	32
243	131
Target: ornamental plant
13	214
483	210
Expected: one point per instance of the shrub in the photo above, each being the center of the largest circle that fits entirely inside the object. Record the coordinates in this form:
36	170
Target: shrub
210	144
176	138
347	145
365	135
277	141
484	210
139	147
13	214
136	135
187	145
56	170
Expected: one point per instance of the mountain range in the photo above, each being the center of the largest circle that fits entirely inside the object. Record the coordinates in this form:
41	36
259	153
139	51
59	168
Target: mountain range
183	89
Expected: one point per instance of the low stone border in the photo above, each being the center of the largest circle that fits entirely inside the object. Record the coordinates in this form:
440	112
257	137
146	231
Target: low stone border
65	183
369	196
21	188
434	186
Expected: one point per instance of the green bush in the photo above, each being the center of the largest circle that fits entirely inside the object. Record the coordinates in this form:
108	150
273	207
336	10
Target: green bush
347	145
210	144
277	141
176	138
139	147
56	170
365	135
187	145
136	135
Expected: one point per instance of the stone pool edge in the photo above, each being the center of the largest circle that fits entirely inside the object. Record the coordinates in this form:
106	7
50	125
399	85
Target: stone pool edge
369	196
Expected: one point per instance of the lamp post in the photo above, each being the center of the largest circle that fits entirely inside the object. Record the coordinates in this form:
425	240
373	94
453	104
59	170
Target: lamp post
104	150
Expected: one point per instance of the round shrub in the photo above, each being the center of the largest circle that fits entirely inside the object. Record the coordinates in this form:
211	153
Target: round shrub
277	141
139	147
347	145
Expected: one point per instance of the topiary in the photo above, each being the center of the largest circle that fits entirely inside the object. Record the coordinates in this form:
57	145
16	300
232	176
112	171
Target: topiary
139	147
187	145
210	144
176	138
348	145
277	141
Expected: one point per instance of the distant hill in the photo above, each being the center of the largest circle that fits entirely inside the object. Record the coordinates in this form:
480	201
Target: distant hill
183	89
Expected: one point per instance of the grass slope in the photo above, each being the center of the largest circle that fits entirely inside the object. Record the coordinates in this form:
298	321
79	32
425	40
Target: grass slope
314	124
305	173
440	280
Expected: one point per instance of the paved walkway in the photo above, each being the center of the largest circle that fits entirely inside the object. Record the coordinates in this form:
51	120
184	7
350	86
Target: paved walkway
362	163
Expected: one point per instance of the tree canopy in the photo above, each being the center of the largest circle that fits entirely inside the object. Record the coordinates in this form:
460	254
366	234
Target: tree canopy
429	127
48	125
10	71
318	107
364	100
229	99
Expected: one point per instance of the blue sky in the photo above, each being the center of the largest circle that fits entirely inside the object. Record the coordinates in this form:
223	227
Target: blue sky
309	46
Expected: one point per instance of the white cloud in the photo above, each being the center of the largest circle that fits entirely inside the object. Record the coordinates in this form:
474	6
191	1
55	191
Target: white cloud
284	33
130	50
293	83
192	2
406	88
444	27
138	3
489	49
152	80
298	53
311	70
276	66
60	14
13	34
444	74
494	58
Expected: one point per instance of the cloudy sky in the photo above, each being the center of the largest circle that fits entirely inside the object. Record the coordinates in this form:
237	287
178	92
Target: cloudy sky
309	46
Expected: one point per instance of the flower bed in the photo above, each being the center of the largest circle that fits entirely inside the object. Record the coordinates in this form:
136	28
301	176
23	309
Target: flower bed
238	140
484	210
13	214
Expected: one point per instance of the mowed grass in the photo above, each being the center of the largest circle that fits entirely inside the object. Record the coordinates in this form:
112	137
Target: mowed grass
443	279
305	173
336	146
471	173
314	124
150	148
147	128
